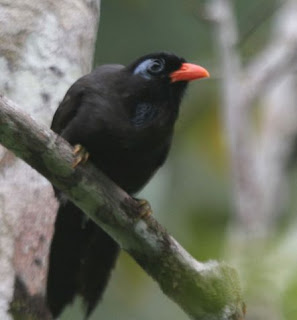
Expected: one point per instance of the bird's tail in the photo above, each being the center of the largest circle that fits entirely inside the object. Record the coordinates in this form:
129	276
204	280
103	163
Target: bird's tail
82	256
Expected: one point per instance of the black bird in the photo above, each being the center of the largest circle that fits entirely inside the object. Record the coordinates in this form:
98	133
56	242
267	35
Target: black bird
123	117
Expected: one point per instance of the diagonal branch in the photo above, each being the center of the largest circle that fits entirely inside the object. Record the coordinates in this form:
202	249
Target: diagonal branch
204	290
276	61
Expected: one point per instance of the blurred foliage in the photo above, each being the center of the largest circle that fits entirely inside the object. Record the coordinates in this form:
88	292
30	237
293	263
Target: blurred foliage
289	301
191	195
129	29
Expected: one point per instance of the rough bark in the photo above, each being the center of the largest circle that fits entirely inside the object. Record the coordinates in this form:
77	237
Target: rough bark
45	46
204	290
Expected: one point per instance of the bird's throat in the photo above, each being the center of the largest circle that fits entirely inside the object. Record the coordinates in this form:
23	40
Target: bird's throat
143	114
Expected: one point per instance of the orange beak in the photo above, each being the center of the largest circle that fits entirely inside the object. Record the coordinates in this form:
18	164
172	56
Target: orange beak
188	72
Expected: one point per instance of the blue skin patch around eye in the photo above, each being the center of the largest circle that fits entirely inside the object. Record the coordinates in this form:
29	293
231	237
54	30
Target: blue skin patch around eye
144	113
142	69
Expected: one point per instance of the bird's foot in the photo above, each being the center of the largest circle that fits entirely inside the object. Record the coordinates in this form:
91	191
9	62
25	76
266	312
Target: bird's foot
143	207
81	155
137	208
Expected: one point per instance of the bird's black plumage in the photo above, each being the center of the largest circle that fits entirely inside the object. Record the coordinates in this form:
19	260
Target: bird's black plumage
124	117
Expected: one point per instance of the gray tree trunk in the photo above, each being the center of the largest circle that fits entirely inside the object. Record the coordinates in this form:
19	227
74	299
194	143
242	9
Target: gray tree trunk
45	45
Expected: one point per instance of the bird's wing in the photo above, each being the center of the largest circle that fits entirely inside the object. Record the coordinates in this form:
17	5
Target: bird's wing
68	108
94	82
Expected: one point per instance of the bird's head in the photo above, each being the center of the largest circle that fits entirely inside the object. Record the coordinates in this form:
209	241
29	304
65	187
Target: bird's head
167	66
165	70
159	80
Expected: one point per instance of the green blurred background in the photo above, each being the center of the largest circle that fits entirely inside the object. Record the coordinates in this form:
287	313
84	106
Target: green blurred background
191	195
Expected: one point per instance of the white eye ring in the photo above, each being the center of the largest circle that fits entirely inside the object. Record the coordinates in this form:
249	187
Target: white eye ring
156	66
150	67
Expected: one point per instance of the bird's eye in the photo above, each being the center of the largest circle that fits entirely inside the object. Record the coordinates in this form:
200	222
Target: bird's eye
156	66
150	68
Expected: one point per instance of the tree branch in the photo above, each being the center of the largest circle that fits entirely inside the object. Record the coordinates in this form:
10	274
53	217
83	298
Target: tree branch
276	61
204	290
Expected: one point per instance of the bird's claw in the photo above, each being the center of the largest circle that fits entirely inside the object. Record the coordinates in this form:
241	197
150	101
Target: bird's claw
137	208
81	155
143	208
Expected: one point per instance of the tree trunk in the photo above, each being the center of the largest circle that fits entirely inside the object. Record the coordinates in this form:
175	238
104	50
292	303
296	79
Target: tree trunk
45	46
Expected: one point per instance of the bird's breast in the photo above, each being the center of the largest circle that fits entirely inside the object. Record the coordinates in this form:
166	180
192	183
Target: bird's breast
130	162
